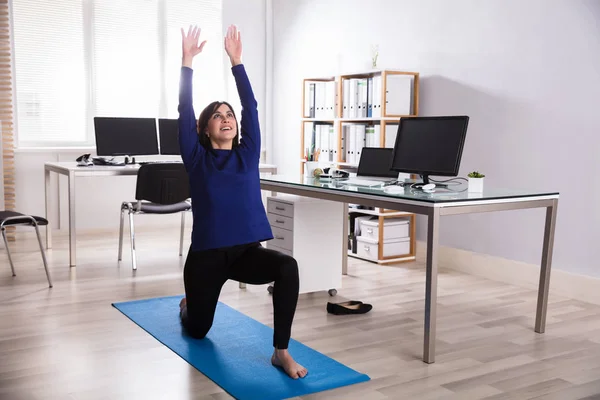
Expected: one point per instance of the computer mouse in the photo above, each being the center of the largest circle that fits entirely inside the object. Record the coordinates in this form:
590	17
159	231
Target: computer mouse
429	186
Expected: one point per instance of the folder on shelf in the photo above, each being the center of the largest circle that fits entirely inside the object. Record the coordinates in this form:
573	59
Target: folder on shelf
309	100
377	96
370	97
332	144
391	130
399	95
360	141
346	99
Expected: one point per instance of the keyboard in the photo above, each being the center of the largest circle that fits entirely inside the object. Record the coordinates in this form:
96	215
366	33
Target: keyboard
159	162
364	182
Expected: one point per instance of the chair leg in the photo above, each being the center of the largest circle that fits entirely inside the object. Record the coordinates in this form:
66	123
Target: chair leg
12	267
121	235
132	235
181	234
39	238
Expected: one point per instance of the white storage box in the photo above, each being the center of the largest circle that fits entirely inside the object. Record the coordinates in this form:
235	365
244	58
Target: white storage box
369	248
393	228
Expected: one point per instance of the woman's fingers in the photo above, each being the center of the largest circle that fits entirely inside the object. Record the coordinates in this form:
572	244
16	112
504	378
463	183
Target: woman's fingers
233	33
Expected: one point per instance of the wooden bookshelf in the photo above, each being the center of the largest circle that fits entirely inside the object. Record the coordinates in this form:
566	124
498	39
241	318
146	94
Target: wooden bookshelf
380	99
370	104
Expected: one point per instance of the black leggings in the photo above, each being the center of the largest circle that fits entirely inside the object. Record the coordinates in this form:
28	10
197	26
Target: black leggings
206	272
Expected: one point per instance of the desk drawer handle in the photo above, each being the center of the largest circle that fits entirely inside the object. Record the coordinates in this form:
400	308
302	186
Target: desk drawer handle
280	208
367	248
279	222
279	237
369	230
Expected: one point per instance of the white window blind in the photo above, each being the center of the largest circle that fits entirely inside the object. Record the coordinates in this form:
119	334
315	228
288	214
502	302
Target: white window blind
126	58
208	65
77	59
50	71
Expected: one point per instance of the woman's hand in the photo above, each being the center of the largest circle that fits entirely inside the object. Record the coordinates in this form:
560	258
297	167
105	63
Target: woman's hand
233	45
190	47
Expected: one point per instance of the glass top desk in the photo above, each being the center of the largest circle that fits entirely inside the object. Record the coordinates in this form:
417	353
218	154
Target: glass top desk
434	205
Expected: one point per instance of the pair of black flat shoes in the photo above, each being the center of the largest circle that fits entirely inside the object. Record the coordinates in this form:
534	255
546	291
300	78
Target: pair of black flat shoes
348	307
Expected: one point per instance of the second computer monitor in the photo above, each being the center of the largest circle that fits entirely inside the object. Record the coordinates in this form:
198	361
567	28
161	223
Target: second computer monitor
125	136
430	145
375	161
168	132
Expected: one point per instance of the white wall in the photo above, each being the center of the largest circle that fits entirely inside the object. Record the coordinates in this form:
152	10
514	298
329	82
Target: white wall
98	199
527	73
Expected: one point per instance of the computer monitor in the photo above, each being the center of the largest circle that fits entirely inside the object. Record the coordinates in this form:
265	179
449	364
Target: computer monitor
125	136
376	161
168	133
430	145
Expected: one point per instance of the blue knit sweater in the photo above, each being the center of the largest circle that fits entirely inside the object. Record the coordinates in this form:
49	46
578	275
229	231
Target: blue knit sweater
225	184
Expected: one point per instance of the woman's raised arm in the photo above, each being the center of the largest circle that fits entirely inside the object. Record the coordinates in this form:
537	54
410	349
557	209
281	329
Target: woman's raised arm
250	128
189	145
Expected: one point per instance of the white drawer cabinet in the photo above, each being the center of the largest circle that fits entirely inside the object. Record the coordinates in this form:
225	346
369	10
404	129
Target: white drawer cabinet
311	231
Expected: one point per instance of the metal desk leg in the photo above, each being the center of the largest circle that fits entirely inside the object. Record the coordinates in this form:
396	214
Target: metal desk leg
345	241
72	233
542	302
433	231
47	195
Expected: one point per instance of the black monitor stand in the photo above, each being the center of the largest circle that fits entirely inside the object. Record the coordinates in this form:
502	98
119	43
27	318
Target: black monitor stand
426	181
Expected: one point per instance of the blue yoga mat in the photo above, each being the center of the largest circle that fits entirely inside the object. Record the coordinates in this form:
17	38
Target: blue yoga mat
237	351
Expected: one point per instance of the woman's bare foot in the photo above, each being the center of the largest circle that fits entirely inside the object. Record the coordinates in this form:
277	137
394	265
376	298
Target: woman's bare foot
282	358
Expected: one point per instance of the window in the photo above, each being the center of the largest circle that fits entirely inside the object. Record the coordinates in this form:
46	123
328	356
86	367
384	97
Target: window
50	70
77	59
126	58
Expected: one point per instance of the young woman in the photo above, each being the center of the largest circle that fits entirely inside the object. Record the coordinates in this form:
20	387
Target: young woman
229	217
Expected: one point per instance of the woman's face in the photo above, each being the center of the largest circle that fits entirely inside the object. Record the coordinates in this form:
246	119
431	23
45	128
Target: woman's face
222	126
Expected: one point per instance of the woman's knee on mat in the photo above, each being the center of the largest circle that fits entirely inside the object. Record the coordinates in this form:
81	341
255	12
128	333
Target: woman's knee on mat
196	330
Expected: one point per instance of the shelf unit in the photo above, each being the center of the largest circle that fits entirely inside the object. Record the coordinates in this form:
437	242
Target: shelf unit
373	98
377	98
383	215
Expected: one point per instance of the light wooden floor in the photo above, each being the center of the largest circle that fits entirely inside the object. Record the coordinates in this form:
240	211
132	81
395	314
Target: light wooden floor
70	343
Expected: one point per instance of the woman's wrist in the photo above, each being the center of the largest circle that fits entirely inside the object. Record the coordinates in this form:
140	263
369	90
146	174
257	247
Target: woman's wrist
186	61
235	61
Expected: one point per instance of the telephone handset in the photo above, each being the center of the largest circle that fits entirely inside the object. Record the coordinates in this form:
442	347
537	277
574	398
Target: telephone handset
336	173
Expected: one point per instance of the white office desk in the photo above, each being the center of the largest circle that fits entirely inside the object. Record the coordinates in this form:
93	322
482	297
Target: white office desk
434	206
72	171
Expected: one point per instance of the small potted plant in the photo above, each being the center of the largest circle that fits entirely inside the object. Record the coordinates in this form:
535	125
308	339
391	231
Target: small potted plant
475	181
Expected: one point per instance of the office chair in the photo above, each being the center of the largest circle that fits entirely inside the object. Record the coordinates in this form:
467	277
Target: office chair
13	218
161	188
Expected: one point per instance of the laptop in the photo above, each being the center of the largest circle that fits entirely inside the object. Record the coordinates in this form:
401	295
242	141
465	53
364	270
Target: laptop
374	168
